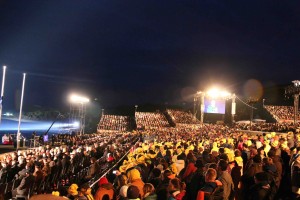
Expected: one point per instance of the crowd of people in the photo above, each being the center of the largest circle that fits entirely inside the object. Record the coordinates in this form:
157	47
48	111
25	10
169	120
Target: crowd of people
114	122
188	161
201	162
182	117
282	113
146	120
43	169
282	127
219	163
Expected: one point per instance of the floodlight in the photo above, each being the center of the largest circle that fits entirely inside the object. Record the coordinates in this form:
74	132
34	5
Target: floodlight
214	93
76	124
78	99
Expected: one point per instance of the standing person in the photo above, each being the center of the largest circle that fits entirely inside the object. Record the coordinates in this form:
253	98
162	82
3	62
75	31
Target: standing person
212	187
94	168
247	180
295	175
197	182
190	169
226	180
134	178
261	190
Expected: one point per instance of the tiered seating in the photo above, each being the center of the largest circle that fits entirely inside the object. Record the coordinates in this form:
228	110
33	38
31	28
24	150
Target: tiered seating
182	117
148	120
282	113
114	122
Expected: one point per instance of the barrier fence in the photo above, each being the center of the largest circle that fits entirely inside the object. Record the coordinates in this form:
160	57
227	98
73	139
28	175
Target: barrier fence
116	164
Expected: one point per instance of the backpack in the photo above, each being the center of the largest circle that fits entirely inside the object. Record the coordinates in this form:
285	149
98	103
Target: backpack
216	194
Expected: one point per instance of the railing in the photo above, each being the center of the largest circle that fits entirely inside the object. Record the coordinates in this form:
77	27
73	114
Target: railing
105	173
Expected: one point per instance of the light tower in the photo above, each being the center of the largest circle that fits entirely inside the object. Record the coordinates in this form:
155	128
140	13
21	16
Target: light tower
78	111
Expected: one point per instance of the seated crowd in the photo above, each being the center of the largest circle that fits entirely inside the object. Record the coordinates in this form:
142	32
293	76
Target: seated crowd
43	169
201	162
282	127
281	113
114	122
190	161
182	117
218	164
146	120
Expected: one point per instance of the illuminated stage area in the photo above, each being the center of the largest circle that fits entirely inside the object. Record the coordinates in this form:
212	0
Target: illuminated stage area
10	126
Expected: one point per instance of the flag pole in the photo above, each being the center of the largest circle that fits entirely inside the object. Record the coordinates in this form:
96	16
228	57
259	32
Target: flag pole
20	115
2	92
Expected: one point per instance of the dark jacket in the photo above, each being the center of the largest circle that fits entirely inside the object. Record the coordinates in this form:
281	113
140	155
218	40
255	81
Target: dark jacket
259	191
195	185
25	184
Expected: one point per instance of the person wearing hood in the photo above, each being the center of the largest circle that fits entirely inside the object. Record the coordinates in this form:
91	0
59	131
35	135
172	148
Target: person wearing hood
134	178
72	191
105	187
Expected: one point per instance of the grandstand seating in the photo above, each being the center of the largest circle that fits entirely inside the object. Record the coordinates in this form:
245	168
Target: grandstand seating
182	117
148	120
114	122
281	113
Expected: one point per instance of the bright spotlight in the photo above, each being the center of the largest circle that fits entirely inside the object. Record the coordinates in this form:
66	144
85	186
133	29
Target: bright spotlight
78	99
214	93
76	124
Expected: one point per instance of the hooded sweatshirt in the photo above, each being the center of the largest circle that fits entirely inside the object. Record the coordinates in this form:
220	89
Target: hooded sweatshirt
103	190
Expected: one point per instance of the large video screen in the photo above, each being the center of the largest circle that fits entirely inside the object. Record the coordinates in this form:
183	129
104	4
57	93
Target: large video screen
214	106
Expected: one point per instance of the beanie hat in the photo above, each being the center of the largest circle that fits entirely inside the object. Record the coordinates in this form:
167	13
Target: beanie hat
102	181
123	191
73	190
133	192
133	174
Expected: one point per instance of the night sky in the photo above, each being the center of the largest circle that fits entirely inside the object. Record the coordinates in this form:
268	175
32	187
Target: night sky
140	51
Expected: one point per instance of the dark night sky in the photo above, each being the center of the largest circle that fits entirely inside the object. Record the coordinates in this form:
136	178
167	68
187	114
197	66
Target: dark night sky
138	51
